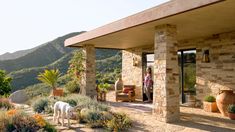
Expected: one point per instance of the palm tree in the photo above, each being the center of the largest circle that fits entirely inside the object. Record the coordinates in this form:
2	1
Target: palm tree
50	77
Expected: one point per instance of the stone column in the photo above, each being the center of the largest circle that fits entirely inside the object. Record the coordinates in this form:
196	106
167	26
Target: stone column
166	74
88	82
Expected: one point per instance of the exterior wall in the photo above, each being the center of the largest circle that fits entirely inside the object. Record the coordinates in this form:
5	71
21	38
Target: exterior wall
219	73
132	75
212	77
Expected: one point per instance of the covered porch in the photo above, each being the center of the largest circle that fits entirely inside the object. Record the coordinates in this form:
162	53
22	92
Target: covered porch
202	25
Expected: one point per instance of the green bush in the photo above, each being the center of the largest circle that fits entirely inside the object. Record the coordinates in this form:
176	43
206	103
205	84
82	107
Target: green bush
40	105
231	108
5	83
120	121
209	98
72	87
49	128
5	104
71	102
93	118
86	102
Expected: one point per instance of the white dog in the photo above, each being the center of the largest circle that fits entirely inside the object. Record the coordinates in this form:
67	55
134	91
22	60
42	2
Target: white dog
62	109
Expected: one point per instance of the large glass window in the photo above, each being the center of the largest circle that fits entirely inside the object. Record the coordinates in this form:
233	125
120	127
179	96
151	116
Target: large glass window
187	68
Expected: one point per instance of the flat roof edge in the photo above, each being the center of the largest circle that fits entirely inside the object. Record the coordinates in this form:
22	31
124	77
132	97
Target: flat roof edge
158	12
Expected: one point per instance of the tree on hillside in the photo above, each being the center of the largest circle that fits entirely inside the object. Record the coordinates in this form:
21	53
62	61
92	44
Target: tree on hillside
5	87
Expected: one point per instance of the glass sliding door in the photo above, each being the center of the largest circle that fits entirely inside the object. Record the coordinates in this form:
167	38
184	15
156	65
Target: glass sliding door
187	70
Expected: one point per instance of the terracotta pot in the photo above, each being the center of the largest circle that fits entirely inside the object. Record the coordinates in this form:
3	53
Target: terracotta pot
210	106
225	98
58	92
231	116
101	96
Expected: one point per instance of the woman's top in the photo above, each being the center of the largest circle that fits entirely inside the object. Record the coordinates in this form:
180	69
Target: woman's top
148	82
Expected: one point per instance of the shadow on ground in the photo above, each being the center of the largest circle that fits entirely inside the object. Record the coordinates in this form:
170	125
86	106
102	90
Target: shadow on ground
206	123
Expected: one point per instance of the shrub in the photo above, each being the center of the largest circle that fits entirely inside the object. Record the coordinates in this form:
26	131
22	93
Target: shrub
5	83
209	98
22	122
86	102
14	120
72	86
5	104
120	121
231	108
40	105
71	102
49	128
93	118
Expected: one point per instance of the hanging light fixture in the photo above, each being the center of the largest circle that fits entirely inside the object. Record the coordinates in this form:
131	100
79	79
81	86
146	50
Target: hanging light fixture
205	56
135	61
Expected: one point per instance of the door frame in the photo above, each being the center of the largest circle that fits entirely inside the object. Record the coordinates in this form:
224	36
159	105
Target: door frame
182	71
144	63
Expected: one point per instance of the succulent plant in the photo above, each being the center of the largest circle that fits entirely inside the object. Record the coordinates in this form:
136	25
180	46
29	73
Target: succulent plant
231	108
209	98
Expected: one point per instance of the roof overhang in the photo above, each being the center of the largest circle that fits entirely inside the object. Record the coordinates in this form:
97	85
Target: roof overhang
193	18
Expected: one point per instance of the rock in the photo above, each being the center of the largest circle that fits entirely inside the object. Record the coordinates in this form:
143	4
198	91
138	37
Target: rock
18	97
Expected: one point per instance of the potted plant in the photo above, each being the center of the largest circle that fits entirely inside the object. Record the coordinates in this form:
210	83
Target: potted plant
50	78
209	104
102	90
231	111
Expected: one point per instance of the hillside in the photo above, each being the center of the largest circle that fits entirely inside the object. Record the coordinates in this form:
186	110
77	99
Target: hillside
17	54
28	76
41	56
105	67
53	54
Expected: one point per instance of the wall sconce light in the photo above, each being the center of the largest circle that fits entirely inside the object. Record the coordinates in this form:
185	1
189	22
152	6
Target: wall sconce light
135	61
205	56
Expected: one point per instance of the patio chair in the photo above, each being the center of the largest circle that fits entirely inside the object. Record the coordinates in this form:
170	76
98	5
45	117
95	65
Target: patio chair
125	93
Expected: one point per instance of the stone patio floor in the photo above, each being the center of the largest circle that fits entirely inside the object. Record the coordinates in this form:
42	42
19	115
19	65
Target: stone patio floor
191	119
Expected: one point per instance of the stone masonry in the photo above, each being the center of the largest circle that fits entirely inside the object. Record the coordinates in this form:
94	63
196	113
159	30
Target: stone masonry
166	76
88	84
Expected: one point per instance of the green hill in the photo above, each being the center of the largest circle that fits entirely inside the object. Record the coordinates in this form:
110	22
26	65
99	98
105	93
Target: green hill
53	54
105	68
42	56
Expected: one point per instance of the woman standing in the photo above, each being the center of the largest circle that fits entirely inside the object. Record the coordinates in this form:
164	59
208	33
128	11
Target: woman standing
148	83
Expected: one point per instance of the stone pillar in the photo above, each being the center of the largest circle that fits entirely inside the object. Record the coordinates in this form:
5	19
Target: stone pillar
166	75
88	82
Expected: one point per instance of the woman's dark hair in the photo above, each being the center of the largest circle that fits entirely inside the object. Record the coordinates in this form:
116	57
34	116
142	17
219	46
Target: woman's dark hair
149	70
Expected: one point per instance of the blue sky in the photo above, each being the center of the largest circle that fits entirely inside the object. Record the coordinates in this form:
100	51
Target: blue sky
25	24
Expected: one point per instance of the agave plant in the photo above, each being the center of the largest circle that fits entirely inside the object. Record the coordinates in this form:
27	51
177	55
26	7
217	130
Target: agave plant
50	77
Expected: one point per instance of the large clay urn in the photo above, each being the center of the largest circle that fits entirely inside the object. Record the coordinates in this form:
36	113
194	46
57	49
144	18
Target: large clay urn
225	98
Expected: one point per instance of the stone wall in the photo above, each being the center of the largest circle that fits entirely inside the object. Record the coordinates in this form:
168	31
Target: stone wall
132	75
219	73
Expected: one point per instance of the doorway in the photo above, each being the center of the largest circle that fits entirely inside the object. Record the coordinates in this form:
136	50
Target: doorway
187	70
148	61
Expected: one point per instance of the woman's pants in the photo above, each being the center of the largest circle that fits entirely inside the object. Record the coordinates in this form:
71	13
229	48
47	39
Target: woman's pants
147	92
